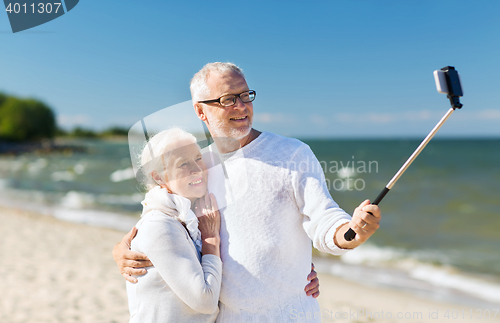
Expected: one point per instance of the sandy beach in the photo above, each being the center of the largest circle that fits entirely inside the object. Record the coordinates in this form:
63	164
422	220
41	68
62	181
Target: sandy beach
54	271
343	301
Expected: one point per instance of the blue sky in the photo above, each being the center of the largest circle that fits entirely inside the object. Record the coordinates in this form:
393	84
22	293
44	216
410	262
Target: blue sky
320	69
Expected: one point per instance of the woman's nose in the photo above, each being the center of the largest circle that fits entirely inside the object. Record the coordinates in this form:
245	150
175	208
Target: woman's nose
195	168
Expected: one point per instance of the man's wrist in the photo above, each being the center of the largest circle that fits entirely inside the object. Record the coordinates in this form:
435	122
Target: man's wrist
340	241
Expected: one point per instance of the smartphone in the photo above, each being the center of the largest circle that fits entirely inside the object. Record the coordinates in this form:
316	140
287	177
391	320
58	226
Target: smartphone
448	81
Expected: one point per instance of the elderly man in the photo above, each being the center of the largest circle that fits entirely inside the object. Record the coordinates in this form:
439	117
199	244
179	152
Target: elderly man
267	229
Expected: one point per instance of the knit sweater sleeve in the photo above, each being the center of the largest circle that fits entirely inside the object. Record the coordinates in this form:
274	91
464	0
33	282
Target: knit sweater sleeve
171	252
322	215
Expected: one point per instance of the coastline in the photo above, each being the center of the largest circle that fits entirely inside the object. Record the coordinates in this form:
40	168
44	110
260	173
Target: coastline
45	146
58	271
345	301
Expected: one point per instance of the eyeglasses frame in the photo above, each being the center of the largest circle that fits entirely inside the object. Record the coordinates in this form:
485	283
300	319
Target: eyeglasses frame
236	98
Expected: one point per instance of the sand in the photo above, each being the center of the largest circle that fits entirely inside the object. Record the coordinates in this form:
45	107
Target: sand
54	271
343	301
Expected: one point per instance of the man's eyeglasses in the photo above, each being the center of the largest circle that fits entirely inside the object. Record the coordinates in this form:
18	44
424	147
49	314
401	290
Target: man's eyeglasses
230	99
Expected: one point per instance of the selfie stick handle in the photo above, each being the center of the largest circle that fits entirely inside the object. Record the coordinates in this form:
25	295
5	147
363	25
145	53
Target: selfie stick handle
350	234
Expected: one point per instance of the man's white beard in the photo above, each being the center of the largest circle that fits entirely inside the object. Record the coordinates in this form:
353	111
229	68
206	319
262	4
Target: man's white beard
219	130
228	137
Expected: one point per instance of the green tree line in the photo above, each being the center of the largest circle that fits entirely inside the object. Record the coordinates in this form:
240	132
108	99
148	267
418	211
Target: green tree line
80	132
31	120
25	119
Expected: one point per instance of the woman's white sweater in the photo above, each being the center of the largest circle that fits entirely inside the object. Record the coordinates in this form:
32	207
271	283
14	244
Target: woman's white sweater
177	288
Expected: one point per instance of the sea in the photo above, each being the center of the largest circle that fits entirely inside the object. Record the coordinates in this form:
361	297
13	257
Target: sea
440	230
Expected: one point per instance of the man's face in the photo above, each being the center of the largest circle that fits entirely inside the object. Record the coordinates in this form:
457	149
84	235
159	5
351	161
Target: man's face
235	121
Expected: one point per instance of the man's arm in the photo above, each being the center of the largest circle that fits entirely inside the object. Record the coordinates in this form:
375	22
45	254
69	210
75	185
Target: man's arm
365	221
327	222
130	262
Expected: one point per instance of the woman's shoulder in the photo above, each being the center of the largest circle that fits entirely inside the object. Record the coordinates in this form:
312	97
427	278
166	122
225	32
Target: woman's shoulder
156	226
160	234
159	221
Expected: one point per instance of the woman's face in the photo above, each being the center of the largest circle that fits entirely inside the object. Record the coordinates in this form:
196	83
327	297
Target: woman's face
186	172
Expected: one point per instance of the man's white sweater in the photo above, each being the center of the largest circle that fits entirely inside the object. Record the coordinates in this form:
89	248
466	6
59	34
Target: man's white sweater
274	201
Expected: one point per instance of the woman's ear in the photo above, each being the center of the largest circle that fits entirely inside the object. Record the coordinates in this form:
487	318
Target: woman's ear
163	184
200	112
157	178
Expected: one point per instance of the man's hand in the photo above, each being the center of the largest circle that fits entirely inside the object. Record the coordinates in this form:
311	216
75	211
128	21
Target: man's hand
130	262
313	287
365	221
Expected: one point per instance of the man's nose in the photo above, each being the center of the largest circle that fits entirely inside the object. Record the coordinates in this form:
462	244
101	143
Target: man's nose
239	103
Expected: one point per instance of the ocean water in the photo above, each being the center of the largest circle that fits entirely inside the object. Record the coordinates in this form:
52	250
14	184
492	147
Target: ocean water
440	228
440	222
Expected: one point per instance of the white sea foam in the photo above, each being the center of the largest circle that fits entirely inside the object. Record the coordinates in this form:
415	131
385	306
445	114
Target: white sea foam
346	172
405	269
79	168
77	200
62	176
371	255
13	165
4	183
96	218
120	199
36	166
450	278
77	207
81	200
122	175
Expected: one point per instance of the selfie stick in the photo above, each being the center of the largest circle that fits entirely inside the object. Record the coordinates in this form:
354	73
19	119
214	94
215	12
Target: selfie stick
448	82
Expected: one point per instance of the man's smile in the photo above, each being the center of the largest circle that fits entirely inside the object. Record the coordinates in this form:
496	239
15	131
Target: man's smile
239	118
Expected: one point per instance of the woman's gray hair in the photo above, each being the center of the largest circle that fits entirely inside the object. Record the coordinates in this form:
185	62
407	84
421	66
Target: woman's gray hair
155	153
198	86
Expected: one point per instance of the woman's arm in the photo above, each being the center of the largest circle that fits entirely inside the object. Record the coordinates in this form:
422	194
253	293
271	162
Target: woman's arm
171	251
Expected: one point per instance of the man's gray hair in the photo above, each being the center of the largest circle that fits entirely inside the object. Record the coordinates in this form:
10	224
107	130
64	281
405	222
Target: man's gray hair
198	86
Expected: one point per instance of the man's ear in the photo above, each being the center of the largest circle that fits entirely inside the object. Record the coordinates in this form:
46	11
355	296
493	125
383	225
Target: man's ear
200	112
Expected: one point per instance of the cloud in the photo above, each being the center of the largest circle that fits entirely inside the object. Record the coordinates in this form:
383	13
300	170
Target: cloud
125	121
387	117
488	114
266	117
319	120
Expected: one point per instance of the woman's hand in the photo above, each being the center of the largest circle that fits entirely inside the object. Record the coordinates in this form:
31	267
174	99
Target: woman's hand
207	211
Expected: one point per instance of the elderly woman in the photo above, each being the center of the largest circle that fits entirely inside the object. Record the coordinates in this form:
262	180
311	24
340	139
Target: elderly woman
184	282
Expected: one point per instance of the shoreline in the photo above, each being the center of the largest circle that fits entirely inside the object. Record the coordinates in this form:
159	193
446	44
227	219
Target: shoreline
59	271
353	303
45	146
